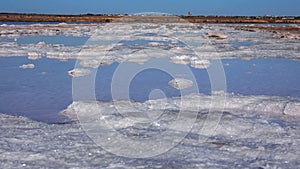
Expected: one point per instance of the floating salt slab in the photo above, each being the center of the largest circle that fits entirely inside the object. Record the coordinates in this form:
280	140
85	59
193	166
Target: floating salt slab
79	72
184	59
154	44
34	56
180	84
200	64
27	66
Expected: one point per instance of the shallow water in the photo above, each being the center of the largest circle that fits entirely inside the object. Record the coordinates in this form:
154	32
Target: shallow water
37	93
243	43
41	93
273	77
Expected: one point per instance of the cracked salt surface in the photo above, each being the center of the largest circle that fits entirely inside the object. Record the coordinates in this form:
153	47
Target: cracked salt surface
241	140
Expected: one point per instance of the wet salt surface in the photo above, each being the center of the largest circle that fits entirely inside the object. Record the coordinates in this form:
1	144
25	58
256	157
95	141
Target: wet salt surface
56	39
42	92
225	41
242	140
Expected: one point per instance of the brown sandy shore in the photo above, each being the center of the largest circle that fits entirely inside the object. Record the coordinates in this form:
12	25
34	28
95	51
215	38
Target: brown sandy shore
15	17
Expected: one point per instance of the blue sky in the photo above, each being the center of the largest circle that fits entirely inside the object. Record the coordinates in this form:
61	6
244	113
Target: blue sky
179	7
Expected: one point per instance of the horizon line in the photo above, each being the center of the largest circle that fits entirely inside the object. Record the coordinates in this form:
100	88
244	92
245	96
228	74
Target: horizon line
116	14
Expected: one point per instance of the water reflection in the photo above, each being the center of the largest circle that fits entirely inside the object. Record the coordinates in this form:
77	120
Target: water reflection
42	92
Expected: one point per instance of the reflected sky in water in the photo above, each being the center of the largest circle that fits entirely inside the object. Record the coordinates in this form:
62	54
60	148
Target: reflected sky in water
41	93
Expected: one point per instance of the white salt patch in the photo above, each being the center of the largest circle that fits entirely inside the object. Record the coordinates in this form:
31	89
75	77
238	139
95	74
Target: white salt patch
154	44
34	55
184	59
79	72
180	83
200	64
41	44
27	66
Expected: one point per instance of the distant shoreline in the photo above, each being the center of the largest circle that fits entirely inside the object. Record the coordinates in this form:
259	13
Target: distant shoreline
18	17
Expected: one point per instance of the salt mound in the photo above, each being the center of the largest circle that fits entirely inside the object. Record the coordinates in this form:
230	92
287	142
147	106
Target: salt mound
200	64
79	72
27	66
184	59
34	55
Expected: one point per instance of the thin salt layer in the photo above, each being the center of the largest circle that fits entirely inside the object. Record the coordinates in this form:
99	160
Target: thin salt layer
197	43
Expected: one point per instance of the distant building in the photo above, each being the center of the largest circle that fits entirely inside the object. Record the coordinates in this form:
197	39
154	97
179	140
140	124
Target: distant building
190	14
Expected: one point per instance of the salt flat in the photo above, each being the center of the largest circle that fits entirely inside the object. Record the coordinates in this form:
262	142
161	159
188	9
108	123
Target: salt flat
190	130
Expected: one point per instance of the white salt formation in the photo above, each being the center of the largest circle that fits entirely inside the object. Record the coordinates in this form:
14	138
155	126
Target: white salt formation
106	44
180	83
241	139
79	72
233	103
27	66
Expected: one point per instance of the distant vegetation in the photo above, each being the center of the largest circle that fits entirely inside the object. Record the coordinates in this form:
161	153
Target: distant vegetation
89	17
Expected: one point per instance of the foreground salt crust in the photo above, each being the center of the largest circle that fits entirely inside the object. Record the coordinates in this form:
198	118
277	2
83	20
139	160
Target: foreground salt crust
249	134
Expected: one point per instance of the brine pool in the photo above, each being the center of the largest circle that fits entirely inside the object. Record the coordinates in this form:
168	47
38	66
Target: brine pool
42	92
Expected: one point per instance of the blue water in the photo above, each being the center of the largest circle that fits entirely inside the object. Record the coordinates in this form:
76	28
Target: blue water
38	93
140	86
275	77
41	93
272	77
242	43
